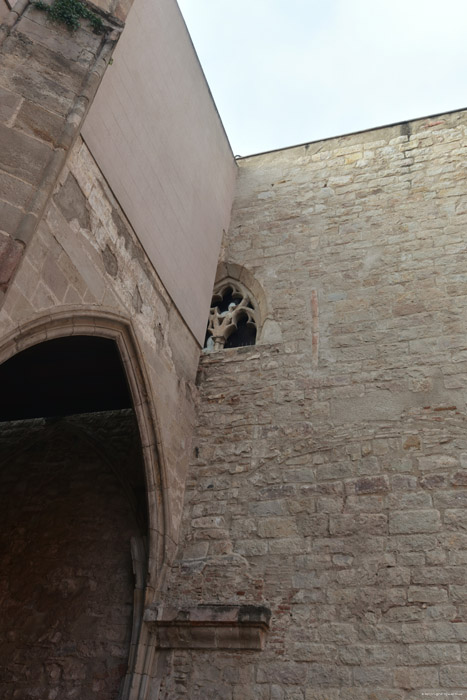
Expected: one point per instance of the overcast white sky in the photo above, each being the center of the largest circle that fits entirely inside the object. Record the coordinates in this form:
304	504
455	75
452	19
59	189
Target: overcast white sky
284	72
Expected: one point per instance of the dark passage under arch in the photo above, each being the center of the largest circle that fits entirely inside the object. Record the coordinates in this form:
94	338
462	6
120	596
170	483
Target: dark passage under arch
63	376
72	496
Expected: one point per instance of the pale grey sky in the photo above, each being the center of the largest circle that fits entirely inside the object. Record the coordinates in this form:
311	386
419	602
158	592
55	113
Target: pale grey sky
290	71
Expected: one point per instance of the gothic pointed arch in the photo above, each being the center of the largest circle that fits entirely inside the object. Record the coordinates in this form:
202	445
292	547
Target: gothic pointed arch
240	312
149	562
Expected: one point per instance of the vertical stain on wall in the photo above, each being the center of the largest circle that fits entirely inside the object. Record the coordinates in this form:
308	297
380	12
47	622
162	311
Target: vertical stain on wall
314	328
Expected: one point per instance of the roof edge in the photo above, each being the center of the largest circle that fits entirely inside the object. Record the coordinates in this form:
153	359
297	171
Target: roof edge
354	133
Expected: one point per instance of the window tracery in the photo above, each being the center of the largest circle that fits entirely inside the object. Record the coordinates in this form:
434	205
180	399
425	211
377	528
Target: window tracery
233	318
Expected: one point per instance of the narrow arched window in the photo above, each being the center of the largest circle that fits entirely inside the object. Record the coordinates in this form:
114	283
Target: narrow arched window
233	317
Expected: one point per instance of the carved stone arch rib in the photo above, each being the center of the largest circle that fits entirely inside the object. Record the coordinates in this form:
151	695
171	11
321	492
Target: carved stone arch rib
70	321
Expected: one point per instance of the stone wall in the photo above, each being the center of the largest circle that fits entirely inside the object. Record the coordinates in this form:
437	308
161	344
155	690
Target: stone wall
61	220
49	76
85	258
71	262
85	272
329	473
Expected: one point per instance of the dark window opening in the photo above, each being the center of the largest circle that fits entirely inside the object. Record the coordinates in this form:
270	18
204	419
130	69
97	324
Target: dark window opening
244	335
228	297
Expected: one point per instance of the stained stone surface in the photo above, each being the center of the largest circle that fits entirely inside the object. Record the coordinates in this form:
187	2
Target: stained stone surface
328	474
328	480
86	255
44	69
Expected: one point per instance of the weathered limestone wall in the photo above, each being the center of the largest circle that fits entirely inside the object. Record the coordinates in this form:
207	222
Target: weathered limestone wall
157	137
85	254
86	258
48	78
73	252
4	10
329	473
66	579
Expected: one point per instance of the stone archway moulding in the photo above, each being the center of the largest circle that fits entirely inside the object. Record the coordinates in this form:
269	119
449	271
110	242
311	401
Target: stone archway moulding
69	321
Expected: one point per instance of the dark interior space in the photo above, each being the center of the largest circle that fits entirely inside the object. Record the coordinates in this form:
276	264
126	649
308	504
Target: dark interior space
244	335
72	497
61	377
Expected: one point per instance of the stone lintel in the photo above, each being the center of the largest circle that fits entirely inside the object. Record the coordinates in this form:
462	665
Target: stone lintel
235	627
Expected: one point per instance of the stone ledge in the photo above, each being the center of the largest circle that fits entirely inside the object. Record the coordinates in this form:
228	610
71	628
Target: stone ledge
234	627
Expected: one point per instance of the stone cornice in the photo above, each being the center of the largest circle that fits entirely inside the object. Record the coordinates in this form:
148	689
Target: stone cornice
233	627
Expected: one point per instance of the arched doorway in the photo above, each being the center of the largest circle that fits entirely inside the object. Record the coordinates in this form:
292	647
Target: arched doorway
73	504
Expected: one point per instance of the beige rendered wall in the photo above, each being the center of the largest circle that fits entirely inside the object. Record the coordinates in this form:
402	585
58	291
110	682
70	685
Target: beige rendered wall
156	135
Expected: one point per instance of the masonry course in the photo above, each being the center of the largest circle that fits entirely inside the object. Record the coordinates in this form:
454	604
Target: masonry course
316	481
334	492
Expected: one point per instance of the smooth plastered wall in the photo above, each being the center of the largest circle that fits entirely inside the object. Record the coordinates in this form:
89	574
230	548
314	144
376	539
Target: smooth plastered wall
156	135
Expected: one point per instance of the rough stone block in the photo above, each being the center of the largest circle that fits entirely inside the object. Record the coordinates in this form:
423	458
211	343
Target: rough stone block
313	525
451	676
38	122
368	484
415	521
429	654
21	155
410	678
438	462
10	217
373	676
9	104
277	527
54	278
10	256
282	673
451	499
323	676
372	524
427	594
